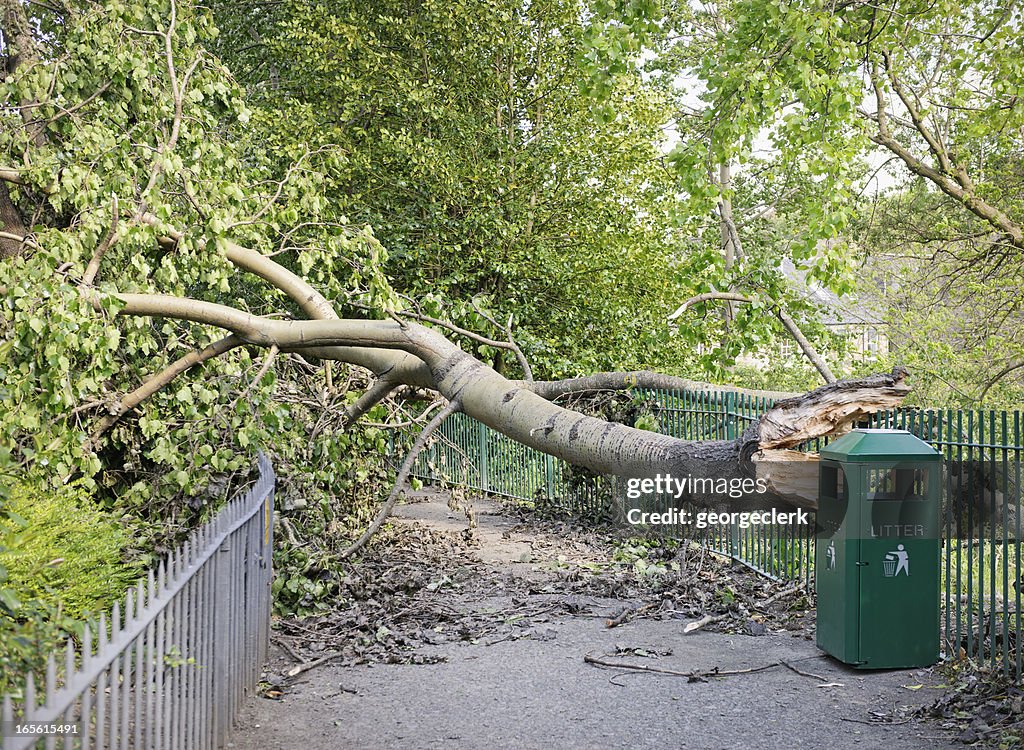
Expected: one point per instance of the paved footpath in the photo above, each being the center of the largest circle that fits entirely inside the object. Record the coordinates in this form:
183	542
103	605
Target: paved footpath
538	692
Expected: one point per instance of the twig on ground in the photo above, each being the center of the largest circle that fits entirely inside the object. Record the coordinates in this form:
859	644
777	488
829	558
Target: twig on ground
705	620
780	595
287	648
696	675
790	667
629	613
308	665
874	723
693	676
403	473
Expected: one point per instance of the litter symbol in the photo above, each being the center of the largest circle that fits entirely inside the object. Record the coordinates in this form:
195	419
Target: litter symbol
830	555
896	561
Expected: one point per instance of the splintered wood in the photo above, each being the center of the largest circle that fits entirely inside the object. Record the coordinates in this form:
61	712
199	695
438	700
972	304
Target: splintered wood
830	410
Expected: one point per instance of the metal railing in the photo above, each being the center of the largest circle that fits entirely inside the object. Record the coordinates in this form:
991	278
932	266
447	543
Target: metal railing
470	454
984	460
170	668
982	574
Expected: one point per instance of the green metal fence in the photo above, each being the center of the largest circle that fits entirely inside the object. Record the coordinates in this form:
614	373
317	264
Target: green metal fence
779	552
981	527
469	454
982	575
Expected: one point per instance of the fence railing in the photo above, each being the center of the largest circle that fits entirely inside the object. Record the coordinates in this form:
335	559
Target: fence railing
470	454
982	571
982	574
170	668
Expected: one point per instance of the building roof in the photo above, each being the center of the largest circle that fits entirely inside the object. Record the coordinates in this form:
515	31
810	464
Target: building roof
846	310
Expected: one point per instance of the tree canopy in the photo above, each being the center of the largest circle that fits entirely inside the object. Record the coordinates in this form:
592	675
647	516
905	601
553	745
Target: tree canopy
461	136
264	190
832	93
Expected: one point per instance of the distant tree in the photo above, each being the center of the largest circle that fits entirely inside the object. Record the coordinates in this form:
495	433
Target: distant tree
953	313
934	87
462	136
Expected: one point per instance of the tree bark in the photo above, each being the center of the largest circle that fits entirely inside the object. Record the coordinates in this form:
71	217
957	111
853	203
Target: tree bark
11	223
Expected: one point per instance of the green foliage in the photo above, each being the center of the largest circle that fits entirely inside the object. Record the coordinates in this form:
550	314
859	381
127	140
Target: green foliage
116	142
803	82
650	559
951	304
27	640
64	551
62	560
469	149
106	127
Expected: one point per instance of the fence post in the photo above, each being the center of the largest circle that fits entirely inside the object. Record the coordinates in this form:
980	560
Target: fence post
549	471
221	639
484	469
730	415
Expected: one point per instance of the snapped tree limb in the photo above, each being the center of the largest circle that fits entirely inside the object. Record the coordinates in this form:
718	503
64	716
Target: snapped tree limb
514	409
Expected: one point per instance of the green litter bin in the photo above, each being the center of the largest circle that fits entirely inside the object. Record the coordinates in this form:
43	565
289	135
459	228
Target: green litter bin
876	567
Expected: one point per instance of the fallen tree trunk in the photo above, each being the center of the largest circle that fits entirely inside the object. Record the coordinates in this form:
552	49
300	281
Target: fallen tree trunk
405	353
515	408
410	354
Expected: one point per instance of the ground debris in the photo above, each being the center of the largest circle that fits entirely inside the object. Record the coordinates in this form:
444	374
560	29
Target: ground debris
519	602
417	586
984	708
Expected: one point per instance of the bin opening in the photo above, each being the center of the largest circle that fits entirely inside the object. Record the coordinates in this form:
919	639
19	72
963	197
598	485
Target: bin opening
897	484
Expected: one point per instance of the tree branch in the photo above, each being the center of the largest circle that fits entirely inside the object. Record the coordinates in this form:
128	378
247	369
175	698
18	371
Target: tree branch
507	345
370	398
915	117
21	240
403	474
707	297
624	381
485	395
952	188
829	410
787	321
268	361
394	365
22	54
511	408
524	363
996	378
805	345
94	264
958	186
177	95
160	380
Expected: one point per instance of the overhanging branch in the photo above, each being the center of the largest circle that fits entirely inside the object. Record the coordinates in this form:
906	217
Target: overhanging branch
787	321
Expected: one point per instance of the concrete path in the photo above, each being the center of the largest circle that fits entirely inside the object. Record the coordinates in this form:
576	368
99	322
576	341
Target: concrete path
538	692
